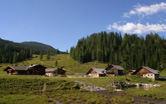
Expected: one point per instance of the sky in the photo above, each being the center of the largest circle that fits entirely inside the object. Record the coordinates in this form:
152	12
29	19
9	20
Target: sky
60	23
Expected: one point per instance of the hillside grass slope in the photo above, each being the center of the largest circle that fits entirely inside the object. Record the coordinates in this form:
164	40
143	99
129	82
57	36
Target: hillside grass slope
65	60
30	89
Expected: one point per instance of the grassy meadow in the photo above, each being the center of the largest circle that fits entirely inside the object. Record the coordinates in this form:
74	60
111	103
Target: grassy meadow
19	89
65	60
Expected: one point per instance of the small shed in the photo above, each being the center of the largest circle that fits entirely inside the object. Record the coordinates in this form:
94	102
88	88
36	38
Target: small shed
147	72
36	70
10	70
96	72
26	70
55	71
114	69
60	71
21	70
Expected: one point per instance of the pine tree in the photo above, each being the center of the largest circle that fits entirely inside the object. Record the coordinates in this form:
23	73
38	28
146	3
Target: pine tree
48	55
41	56
130	50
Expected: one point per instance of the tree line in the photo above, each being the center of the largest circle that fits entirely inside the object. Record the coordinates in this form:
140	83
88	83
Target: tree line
12	54
129	50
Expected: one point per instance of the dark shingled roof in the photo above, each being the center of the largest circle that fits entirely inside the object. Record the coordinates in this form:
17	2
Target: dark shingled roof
151	70
147	68
117	67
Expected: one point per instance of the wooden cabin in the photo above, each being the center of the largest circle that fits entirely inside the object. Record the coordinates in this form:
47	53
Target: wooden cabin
60	71
114	70
20	70
36	70
96	72
55	71
26	70
147	72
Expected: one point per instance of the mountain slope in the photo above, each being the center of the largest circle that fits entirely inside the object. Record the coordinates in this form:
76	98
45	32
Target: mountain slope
37	48
11	52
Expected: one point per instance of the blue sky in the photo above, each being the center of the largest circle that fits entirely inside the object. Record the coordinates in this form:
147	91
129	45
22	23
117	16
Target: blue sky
61	23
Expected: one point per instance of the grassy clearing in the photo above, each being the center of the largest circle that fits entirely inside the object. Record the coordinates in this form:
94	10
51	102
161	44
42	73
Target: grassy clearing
77	97
23	89
42	90
156	93
35	85
22	99
163	72
107	81
121	100
31	89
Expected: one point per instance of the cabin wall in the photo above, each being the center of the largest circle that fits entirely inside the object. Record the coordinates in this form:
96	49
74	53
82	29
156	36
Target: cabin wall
36	70
10	71
115	72
61	72
21	72
49	74
93	75
149	75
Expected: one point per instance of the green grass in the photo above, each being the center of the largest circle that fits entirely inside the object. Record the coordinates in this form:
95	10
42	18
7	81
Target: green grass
16	84
43	90
77	97
121	100
156	93
163	72
107	81
23	89
22	99
65	60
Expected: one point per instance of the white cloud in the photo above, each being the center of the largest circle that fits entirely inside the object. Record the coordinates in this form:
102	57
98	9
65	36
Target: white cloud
147	10
137	28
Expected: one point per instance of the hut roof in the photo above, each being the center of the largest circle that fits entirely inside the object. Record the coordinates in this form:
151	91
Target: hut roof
147	68
20	67
50	70
34	65
151	70
116	67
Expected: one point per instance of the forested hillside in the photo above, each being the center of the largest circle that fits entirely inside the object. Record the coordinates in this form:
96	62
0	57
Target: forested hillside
38	48
130	51
11	52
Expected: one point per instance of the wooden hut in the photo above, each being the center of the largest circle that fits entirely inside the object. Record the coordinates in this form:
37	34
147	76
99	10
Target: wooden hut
147	72
36	70
96	72
20	70
60	71
55	71
114	70
26	70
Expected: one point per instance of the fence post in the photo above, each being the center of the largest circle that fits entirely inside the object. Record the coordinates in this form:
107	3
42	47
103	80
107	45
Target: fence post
44	87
